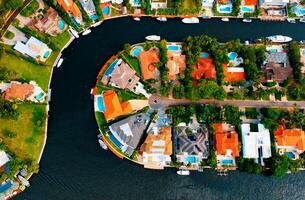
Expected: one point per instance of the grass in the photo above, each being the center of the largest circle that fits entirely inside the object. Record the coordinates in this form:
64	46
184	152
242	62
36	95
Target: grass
29	135
9	35
61	39
101	121
133	62
30	9
28	70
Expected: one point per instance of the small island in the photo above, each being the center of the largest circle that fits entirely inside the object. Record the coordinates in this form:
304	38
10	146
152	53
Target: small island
203	104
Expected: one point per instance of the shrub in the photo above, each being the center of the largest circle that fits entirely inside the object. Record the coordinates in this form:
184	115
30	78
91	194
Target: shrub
9	35
8	133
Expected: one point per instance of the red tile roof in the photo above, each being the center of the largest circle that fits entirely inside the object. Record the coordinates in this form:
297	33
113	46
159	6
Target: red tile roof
147	61
20	91
204	68
250	2
226	141
290	137
233	76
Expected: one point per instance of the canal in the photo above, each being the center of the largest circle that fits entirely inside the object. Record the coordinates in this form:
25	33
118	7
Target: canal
74	167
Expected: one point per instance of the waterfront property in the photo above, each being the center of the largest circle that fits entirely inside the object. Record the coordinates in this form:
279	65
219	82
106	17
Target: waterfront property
233	74
290	142
256	142
176	61
34	48
204	68
276	67
72	9
127	133
248	6
227	145
156	150
156	4
224	6
234	60
89	7
147	61
4	158
51	23
191	143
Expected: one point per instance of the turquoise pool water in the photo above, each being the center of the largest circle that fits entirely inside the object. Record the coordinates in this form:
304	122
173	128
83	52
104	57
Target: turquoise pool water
247	9
204	55
137	3
111	67
227	162
93	17
46	54
299	11
39	96
304	52
106	10
273	50
290	155
225	9
61	24
5	186
232	55
191	159
173	48
136	51
115	141
100	104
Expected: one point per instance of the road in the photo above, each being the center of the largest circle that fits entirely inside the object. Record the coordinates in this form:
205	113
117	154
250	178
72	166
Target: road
157	102
13	16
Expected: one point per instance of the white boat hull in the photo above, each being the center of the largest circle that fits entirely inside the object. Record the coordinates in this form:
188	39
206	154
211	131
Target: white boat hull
162	19
60	62
225	19
136	19
86	32
102	144
153	37
192	20
183	172
279	39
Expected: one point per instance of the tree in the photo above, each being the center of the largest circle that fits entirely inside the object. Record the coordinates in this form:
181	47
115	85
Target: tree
12	4
294	58
7	75
8	110
279	165
232	115
236	7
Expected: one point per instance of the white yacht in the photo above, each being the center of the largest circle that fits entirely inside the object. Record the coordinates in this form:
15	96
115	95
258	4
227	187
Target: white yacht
101	143
153	37
73	32
302	20
225	19
86	32
291	20
183	172
60	61
162	19
279	38
136	18
191	20
247	20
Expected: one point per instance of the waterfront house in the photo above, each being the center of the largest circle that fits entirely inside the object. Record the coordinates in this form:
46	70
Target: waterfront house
156	4
33	48
227	145
156	150
72	9
192	143
248	6
204	68
127	133
290	142
233	74
147	61
276	67
22	91
176	61
4	158
224	6
207	3
256	142
51	23
89	8
273	3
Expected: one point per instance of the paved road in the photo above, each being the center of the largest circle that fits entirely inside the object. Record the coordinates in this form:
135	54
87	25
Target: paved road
156	102
13	16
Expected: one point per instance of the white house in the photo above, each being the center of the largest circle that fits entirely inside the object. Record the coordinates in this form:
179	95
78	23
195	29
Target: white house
256	144
270	3
156	4
4	158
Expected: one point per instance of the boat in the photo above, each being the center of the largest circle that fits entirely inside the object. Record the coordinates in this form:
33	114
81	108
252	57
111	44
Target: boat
291	20
279	38
247	20
86	32
136	18
23	181
102	144
191	20
73	32
162	19
302	20
183	172
247	42
225	19
302	41
60	61
153	37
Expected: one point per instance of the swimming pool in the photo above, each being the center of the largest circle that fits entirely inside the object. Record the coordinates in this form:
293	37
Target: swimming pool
61	24
94	17
304	52
100	104
5	186
227	162
247	9
115	141
106	10
290	155
299	11
225	8
272	50
232	55
136	51
191	159
173	47
137	3
111	67
204	55
39	97
46	54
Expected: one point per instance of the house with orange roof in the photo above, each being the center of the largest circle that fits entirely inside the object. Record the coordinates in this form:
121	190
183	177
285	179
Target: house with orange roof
175	63
72	9
204	68
157	148
233	74
227	145
290	142
248	6
148	59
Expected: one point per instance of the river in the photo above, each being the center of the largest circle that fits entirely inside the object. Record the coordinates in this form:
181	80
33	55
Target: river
74	167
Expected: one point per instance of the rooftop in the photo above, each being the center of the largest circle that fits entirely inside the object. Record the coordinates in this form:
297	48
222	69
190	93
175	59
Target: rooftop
20	91
204	68
233	74
70	7
290	137
176	64
226	141
147	61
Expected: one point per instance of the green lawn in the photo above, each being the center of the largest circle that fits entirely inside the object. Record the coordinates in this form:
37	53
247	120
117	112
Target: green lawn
27	130
133	62
61	39
189	4
28	70
30	9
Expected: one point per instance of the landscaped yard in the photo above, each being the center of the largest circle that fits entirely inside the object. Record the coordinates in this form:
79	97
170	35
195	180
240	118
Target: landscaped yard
25	136
133	62
30	9
61	39
251	113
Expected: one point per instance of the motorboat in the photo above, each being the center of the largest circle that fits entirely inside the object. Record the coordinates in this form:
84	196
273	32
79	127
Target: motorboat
162	19
136	18
73	32
247	20
205	17
191	20
302	20
102	144
23	181
225	19
86	32
153	37
60	61
302	41
183	172
279	39
291	20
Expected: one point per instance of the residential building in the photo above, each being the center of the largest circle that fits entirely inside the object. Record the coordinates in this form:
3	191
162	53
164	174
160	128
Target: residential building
273	3
157	148
156	4
4	158
34	48
176	62
248	6
192	143
72	9
233	74
135	3
256	142
204	68
147	61
89	8
227	145
290	142
127	133
51	23
207	3
224	6
277	67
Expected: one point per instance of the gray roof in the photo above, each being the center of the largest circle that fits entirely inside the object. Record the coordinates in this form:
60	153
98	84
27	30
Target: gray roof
278	57
130	130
